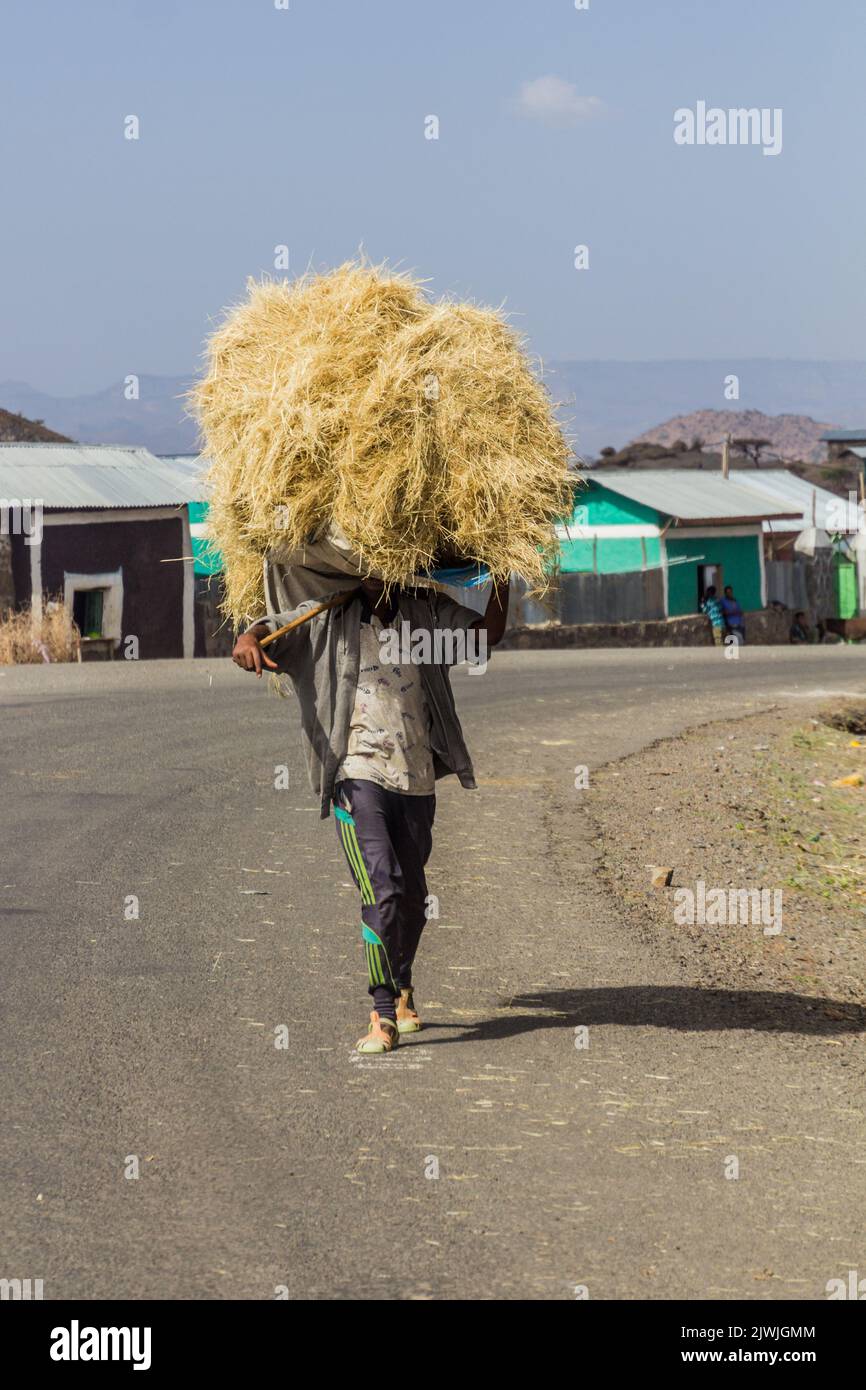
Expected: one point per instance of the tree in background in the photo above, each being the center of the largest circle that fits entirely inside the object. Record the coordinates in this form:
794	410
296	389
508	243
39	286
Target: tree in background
751	448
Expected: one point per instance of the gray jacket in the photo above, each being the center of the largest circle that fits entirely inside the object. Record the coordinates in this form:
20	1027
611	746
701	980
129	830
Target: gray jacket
322	657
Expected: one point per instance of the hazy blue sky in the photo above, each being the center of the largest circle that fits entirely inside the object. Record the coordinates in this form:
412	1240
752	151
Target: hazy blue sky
306	127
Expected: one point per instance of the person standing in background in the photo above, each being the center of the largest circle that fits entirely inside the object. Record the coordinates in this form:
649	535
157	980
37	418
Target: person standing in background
735	618
712	606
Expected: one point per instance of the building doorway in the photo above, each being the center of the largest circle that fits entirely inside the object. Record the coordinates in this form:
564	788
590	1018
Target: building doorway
709	577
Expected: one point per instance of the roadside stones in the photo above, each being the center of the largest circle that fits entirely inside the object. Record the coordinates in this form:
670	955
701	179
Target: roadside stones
660	875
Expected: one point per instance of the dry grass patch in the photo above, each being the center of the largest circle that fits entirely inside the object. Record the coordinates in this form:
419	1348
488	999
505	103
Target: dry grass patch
56	637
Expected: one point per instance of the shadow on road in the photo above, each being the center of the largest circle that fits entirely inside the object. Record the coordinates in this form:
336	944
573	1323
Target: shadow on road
681	1008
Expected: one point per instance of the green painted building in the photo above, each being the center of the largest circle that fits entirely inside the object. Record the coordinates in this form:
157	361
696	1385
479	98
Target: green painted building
694	527
206	560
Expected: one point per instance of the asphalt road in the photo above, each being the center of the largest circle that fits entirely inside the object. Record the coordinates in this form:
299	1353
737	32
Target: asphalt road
151	1040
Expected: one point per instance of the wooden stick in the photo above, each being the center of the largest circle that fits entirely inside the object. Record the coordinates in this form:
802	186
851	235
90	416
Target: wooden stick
305	617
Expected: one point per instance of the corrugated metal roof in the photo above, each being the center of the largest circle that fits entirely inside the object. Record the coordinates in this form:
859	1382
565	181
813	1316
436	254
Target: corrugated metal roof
193	467
690	495
840	436
92	475
796	493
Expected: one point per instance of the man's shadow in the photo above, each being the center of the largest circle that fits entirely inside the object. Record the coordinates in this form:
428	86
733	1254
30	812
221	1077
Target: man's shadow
678	1008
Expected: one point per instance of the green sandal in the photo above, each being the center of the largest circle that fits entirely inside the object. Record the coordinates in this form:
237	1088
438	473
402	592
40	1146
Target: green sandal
407	1016
381	1036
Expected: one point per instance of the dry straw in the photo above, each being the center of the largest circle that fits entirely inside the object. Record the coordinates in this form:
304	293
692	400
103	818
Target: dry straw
417	428
25	640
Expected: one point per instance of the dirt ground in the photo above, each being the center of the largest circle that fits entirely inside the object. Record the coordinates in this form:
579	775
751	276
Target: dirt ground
747	804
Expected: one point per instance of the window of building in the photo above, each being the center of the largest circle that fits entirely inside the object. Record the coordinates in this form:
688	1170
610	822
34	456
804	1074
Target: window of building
87	611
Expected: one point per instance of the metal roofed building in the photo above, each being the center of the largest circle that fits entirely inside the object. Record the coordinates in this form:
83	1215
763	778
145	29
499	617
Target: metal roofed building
674	532
72	476
817	561
842	444
816	506
690	496
105	529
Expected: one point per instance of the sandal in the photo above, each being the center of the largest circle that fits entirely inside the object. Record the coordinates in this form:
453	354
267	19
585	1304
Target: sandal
381	1036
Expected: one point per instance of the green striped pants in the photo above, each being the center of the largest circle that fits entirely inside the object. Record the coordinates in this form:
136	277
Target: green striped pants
386	838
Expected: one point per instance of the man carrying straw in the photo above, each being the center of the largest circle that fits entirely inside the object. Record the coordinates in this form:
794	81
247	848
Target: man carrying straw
360	433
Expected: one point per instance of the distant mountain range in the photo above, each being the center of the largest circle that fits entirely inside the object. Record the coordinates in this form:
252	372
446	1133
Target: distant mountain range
601	403
156	420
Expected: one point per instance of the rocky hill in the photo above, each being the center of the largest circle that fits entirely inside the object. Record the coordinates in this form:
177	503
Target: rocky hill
792	437
17	429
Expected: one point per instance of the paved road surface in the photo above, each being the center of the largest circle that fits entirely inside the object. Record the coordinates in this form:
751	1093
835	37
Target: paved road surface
307	1167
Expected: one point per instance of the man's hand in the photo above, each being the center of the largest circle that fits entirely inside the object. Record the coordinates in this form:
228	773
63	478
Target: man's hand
495	615
249	655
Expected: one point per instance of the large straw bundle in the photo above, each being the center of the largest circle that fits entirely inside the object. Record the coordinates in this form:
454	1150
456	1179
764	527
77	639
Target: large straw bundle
416	428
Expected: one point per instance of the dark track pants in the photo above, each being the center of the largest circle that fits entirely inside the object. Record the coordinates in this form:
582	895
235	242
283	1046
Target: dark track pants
387	838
